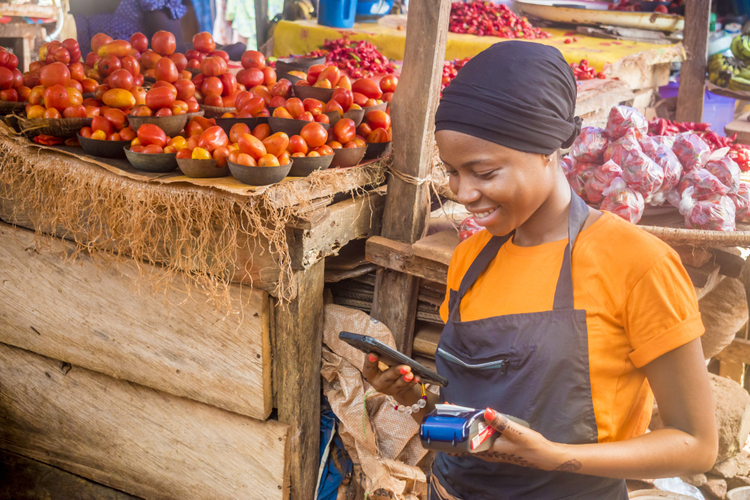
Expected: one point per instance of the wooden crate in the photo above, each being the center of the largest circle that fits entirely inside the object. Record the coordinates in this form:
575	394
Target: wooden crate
135	439
93	317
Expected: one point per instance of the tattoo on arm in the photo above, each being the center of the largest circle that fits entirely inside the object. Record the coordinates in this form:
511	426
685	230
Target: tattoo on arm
571	465
500	422
510	458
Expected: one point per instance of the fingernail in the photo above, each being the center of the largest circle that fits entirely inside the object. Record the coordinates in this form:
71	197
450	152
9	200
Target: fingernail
372	358
404	370
489	414
417	379
408	377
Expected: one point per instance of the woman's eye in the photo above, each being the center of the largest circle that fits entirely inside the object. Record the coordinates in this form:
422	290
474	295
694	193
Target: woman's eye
453	173
484	175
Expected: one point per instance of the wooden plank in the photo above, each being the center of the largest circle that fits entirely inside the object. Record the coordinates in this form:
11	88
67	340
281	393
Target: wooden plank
424	361
135	439
399	257
92	316
334	275
426	339
261	22
693	70
730	264
741	127
24	479
28	10
692	256
704	275
438	247
297	341
413	111
732	369
739	349
597	95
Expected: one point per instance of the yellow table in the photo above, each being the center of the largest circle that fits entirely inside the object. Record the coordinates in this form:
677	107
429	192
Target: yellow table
389	36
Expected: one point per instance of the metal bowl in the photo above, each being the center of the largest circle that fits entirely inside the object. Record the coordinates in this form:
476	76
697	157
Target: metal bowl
227	123
259	176
201	169
355	114
289	126
103	149
287	64
171	125
157	164
305	92
302	167
348	157
378	150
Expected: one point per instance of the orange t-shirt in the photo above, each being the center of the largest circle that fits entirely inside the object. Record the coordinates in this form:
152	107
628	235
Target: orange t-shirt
639	302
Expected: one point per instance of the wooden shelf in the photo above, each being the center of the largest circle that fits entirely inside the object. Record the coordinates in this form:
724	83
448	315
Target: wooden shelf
28	10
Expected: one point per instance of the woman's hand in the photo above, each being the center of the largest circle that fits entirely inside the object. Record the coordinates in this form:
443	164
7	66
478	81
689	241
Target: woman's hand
397	381
519	445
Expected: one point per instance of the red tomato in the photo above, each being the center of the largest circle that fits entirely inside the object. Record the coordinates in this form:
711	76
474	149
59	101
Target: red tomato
23	93
77	71
52	114
54	74
108	65
282	88
325	150
92	111
253	59
229	81
368	88
262	91
6	78
219	53
345	130
99	40
127	134
253	105
184	154
56	97
332	106
247	160
364	129
212	86
313	72
193	106
344	83
153	149
213	66
139	42
268	160
297	144
149	59
204	42
331	73
314	134
321	118
85	132
116	117
388	83
142	110
149	133
160	97
164	112
185	89
377	136
71	45
179	60
11	95
220	155
214	137
166	70
121	79
237	130
252	146
91	59
359	99
262	131
378	119
163	43
250	77
31	79
306	116
387	97
282	113
278	101
269	77
295	107
101	123
343	97
314	106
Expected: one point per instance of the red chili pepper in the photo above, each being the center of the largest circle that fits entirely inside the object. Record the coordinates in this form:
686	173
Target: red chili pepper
48	140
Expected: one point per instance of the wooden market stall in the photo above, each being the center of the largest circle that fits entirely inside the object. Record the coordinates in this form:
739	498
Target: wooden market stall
150	323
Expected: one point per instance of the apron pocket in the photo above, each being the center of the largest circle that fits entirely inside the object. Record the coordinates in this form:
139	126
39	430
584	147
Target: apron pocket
501	363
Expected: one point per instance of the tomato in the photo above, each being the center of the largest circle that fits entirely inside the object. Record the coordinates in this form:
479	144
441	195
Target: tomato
368	88
321	118
164	112
322	84
334	145
85	132
187	75
142	110
149	133
149	59
11	95
121	79
60	54
297	144
116	117
371	102
344	83
237	130
284	158
220	155
71	45
31	79
117	48
302	83
295	107
179	108
229	82
127	134
314	106
92	111
91	59
137	148
313	154
331	73
313	72
163	43
160	97
251	145
108	65
378	119
250	77
214	137
344	97
325	150
306	116
184	154
253	59
219	53
53	74
282	88
140	95
200	153
89	85
179	60
139	42
193	64
56	97
178	142
377	136
268	160
262	91
247	160
269	77
278	101
214	100
345	130
213	66
193	106
99	40
204	42
298	155
166	70
359	99
153	149
6	78
333	106
314	134
99	135
262	131
76	98
101	123
77	71
23	93
119	98
389	83
114	137
282	113
364	129
162	83
388	97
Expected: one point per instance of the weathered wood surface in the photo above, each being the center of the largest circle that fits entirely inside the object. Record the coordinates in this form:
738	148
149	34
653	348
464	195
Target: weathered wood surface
24	479
600	95
297	343
438	247
426	339
135	439
693	70
741	127
407	207
93	317
398	256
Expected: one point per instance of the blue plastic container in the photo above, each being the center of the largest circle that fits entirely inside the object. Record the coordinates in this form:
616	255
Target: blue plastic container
717	110
337	13
372	10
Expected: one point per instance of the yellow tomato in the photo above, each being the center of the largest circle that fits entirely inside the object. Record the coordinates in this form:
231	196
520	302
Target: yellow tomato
233	146
228	115
99	135
201	154
135	142
35	111
178	142
118	98
76	98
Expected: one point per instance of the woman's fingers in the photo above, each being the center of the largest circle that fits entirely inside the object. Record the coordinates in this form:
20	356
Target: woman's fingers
370	369
405	382
502	424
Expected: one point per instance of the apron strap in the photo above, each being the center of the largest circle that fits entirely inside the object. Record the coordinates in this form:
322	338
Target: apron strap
579	212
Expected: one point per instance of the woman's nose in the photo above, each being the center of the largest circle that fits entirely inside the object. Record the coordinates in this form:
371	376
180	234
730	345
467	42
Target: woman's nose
465	191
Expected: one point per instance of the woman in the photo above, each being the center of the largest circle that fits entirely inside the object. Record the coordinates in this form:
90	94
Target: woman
558	314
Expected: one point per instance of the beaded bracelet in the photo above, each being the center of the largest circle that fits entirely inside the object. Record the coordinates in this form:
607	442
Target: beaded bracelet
413	408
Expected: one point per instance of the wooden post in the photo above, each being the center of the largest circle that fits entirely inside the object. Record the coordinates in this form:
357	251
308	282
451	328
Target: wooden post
298	341
261	22
693	71
407	204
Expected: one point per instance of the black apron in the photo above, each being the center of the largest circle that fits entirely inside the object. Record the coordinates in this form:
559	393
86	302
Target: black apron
533	366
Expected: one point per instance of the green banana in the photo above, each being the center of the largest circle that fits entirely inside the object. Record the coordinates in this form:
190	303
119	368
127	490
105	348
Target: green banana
739	83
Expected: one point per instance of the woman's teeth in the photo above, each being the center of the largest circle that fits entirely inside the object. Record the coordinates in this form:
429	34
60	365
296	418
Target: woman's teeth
482	215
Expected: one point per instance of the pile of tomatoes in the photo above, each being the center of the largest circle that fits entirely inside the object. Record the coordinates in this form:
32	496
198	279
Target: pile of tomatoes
203	46
450	71
254	71
486	18
309	110
12	87
260	148
582	71
377	127
151	139
111	125
55	97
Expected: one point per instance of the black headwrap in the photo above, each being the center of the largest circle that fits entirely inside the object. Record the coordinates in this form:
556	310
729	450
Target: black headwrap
521	95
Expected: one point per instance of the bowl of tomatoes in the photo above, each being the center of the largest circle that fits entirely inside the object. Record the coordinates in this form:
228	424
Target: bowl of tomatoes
260	174
171	125
151	158
307	92
103	149
302	165
201	168
291	127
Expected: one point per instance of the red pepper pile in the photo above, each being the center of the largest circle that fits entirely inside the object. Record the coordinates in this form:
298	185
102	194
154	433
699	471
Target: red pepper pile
583	71
486	18
738	152
450	70
359	59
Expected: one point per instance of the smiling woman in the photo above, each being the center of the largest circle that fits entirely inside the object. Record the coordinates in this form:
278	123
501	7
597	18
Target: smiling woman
589	313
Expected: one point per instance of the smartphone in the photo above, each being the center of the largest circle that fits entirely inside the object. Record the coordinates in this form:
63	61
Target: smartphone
391	357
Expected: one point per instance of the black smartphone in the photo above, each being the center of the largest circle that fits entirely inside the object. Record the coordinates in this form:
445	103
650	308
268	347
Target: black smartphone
391	357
